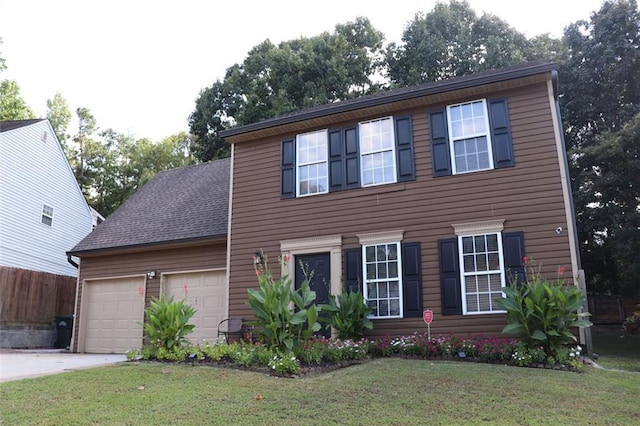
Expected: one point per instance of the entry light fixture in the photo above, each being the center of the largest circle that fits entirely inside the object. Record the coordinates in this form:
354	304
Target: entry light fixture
151	275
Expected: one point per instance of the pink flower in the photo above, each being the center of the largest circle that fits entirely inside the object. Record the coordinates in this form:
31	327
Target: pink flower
186	288
525	260
561	270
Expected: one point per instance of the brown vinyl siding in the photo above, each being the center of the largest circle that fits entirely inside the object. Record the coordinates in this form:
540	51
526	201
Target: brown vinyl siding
528	196
190	258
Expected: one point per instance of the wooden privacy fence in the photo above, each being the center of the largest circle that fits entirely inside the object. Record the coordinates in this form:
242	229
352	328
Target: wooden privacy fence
31	297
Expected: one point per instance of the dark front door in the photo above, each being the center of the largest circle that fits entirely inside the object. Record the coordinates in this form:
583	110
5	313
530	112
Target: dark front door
318	268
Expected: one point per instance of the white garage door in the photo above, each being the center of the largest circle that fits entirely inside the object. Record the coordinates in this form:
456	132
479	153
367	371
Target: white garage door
207	293
114	310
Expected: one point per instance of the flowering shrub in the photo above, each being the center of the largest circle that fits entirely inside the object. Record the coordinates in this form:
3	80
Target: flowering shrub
286	363
542	313
284	327
486	349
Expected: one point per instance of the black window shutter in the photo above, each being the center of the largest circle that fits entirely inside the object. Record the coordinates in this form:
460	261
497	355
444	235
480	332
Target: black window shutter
404	148
353	270
336	161
500	133
352	158
440	154
513	251
411	280
450	277
288	174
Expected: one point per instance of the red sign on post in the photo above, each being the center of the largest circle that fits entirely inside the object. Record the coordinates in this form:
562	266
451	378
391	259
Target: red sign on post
427	316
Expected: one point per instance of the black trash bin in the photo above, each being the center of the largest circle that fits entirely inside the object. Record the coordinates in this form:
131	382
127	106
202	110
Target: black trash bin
64	326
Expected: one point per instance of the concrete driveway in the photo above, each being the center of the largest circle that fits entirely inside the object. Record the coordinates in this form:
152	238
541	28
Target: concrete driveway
16	364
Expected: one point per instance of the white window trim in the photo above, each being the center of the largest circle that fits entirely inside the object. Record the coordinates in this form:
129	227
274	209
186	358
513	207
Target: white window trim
393	152
44	214
487	134
299	164
375	238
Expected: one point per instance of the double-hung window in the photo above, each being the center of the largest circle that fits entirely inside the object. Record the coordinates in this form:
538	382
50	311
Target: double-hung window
383	279
470	137
47	215
482	272
312	163
377	152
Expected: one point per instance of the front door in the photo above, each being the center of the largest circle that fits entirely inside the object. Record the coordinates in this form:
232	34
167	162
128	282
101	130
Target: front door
318	267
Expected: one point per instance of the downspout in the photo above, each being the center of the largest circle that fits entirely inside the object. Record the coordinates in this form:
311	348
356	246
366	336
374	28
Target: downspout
585	333
72	262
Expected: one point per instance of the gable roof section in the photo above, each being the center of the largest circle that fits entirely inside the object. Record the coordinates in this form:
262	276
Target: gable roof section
185	204
5	126
528	69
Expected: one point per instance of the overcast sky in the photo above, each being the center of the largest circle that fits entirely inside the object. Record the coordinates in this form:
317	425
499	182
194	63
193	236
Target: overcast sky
139	65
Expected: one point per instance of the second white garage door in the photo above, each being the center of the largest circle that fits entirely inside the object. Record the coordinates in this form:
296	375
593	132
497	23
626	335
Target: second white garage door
207	293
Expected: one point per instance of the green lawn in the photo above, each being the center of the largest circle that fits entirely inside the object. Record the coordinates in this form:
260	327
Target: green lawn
617	352
390	391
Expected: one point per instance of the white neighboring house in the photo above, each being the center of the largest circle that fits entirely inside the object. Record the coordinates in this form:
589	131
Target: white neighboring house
42	210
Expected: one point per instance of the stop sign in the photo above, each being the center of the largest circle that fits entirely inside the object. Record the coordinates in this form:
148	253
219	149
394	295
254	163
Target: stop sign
427	316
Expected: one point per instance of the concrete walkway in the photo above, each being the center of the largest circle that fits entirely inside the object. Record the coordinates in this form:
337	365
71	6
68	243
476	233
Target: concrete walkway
16	364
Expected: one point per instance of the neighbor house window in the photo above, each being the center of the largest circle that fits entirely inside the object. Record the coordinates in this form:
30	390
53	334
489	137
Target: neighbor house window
47	215
482	272
469	134
377	152
312	163
383	279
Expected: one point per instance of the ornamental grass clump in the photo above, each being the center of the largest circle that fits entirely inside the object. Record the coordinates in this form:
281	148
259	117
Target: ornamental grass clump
543	314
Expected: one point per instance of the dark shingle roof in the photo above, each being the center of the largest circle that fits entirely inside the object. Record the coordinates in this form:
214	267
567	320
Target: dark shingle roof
15	124
189	203
400	94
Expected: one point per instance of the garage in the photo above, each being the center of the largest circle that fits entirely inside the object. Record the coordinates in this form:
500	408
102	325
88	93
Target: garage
206	291
113	310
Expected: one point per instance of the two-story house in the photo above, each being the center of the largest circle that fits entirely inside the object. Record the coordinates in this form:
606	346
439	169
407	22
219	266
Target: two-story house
425	197
42	213
42	209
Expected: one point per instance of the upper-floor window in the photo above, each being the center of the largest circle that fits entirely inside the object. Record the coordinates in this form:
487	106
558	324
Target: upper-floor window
470	141
47	215
377	152
471	136
368	153
311	158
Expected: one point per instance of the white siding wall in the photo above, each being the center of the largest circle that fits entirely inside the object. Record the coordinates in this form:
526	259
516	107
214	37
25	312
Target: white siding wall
34	172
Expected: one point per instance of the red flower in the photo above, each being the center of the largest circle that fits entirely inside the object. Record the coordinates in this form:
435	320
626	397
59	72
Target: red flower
186	288
525	260
561	270
258	272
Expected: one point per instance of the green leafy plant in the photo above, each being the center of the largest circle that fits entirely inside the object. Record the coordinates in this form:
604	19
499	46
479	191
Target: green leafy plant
167	323
542	313
285	315
348	314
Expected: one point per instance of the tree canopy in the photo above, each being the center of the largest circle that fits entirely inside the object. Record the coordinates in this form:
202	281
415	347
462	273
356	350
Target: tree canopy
296	74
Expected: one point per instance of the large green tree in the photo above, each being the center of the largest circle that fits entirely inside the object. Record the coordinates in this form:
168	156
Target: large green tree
452	41
600	100
296	74
59	115
12	105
